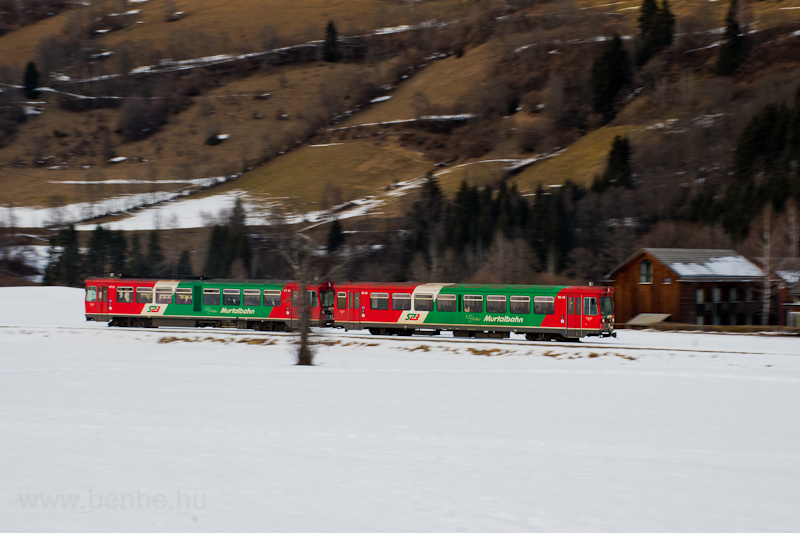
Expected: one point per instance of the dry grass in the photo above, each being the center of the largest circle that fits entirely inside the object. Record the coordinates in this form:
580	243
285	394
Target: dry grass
443	82
580	163
360	168
235	25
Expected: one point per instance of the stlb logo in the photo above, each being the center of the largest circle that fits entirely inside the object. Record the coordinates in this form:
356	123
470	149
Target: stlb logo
412	316
153	309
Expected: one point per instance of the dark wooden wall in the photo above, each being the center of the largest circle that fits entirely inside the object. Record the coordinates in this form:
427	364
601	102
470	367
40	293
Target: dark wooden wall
632	297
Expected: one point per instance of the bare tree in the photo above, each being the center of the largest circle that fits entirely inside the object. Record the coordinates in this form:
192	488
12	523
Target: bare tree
306	263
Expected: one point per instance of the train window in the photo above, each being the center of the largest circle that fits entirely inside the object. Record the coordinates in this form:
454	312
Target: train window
423	302
231	297
164	295
252	297
606	306
272	298
590	306
295	299
495	304
144	295
544	305
341	300
446	303
571	307
125	295
313	298
91	293
521	305
103	294
401	301
473	303
379	300
210	296
183	296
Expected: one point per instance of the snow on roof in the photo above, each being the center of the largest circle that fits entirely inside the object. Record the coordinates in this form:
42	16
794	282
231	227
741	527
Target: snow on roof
737	267
706	264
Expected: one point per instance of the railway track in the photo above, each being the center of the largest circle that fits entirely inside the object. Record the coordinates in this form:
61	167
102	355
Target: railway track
417	339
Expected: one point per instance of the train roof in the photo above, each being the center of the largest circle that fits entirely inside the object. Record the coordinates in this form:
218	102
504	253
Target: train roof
198	278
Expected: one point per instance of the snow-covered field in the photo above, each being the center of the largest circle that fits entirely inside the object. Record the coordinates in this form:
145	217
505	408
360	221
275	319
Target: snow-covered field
140	430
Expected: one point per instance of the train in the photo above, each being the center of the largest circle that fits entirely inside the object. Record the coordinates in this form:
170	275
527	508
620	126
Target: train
467	310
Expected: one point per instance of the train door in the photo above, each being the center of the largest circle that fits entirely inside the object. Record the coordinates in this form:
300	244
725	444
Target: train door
102	303
355	310
573	316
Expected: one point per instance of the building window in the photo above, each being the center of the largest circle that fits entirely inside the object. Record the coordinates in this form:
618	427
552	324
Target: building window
700	296
251	297
495	304
646	272
401	302
544	305
732	295
144	295
749	294
473	303
379	301
521	305
183	296
667	280
423	302
446	303
717	295
231	297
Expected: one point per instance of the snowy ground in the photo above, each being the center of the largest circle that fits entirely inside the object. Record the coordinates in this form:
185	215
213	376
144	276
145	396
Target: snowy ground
646	433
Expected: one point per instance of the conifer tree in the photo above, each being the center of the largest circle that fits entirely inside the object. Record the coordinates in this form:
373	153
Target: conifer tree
65	261
31	81
117	249
618	171
611	72
136	264
732	51
184	265
656	29
330	48
335	236
155	256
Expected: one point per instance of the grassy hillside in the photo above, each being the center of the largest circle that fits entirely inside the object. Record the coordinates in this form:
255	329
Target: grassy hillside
534	59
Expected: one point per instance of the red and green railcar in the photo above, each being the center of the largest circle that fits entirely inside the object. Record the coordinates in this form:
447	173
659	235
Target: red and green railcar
244	304
540	312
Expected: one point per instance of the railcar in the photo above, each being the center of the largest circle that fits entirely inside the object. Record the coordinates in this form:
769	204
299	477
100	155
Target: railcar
242	304
493	311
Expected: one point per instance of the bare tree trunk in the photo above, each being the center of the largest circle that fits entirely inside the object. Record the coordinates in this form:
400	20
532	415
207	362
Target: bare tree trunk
766	247
792	227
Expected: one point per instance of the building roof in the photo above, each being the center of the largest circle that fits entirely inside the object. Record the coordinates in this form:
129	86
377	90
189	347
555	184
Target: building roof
794	289
702	264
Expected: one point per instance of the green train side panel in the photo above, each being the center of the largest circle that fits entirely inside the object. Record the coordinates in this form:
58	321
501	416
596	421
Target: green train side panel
485	319
198	310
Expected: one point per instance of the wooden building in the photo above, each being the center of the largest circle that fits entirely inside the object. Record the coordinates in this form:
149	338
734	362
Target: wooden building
707	287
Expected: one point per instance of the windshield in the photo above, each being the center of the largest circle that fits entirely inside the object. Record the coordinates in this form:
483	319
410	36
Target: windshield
606	306
327	298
